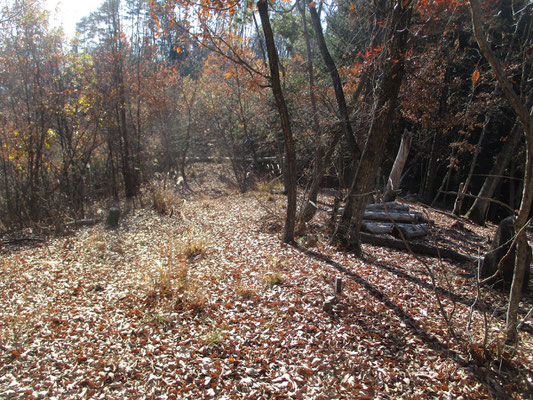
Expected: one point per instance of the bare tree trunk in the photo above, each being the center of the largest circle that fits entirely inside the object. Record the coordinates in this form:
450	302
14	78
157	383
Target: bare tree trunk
310	69
322	155
393	182
336	82
322	160
111	167
437	142
185	148
478	211
347	232
290	156
527	193
129	174
458	206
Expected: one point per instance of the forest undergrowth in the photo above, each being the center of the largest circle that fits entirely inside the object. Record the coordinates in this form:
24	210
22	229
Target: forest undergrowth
202	300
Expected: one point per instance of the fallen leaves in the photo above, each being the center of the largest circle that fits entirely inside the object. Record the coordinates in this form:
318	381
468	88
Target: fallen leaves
129	314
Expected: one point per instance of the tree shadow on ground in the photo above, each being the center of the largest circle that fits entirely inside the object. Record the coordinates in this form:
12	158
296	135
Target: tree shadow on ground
492	309
456	239
486	377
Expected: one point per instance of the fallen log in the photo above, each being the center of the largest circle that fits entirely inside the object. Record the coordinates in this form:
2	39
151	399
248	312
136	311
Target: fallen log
418	248
408	217
380	207
83	222
410	231
21	240
390	205
377	228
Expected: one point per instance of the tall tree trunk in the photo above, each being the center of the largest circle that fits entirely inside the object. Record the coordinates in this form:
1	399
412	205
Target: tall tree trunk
111	168
290	156
322	160
478	211
129	173
347	232
524	114
437	142
310	69
458	206
323	153
128	169
336	82
185	147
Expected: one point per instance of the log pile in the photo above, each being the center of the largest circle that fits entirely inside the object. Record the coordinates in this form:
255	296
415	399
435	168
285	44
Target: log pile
390	218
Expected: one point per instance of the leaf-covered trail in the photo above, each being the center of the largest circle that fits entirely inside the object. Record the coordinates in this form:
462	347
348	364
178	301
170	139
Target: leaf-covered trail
206	304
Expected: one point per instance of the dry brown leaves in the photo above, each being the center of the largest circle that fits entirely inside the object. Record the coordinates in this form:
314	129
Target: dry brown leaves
206	304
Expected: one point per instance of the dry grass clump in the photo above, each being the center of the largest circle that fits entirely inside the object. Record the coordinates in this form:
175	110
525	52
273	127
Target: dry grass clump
166	280
246	292
193	297
269	185
193	246
97	240
165	201
215	336
274	278
171	287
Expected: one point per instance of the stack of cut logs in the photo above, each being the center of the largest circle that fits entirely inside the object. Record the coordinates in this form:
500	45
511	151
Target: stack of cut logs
392	218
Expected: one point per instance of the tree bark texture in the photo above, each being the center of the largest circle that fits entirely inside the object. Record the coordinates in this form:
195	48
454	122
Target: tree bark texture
290	157
347	232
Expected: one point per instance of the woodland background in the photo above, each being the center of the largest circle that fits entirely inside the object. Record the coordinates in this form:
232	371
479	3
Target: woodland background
142	90
309	95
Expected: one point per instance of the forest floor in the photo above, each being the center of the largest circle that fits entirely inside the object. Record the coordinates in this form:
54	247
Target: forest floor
206	302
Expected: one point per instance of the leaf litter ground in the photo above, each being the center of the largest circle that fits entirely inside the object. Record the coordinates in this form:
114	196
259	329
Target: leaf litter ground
208	303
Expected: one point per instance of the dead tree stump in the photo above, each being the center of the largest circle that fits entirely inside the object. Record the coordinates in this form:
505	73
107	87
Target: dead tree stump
113	217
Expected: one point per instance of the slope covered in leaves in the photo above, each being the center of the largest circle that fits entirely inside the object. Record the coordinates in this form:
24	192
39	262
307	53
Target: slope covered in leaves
207	303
